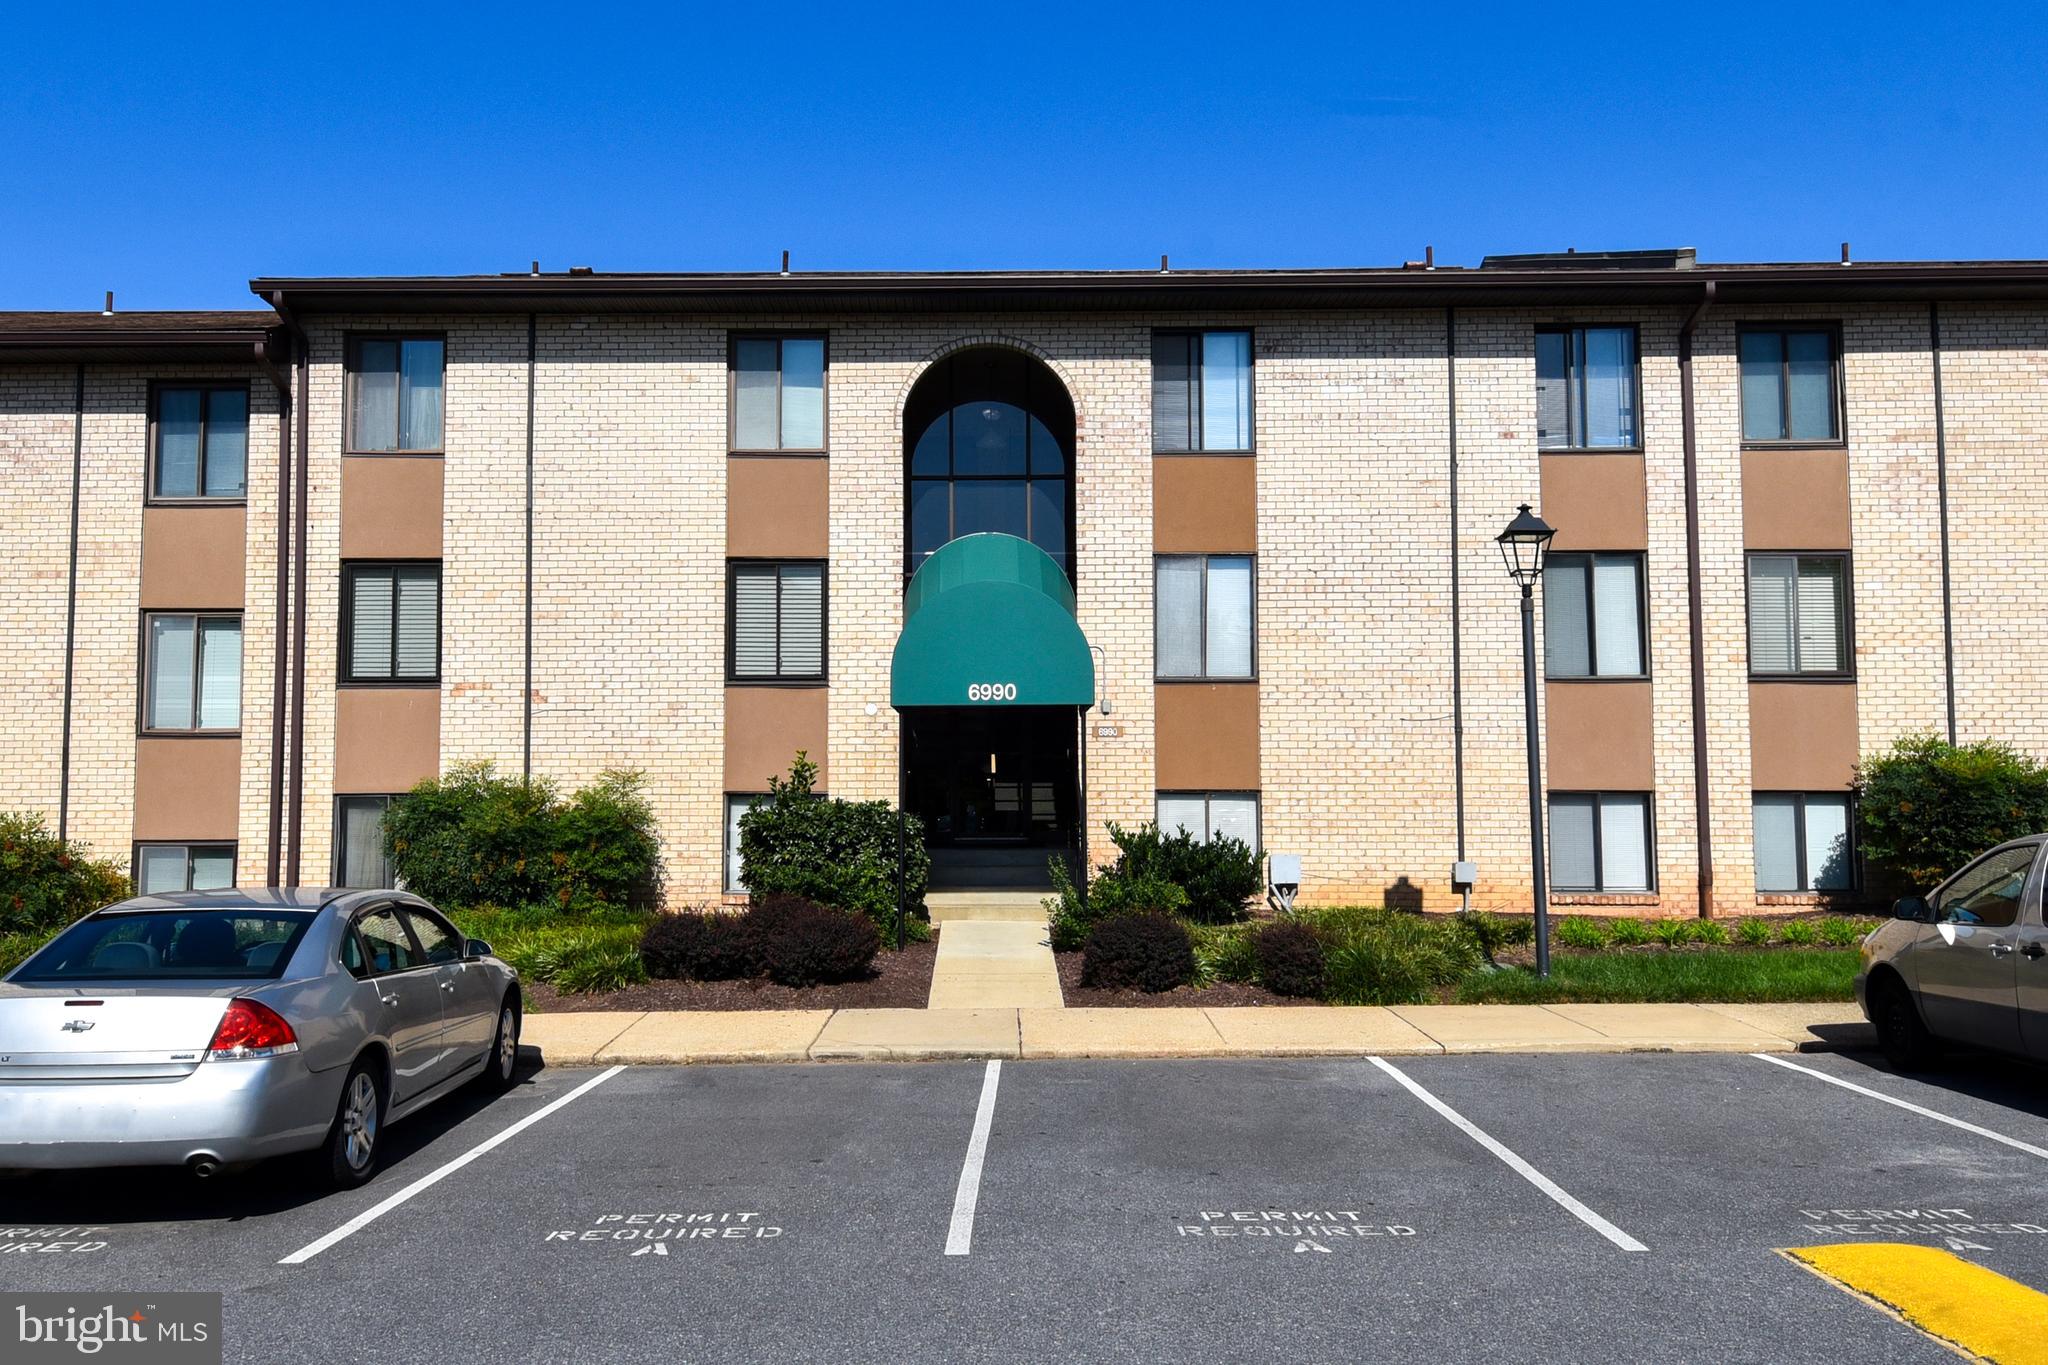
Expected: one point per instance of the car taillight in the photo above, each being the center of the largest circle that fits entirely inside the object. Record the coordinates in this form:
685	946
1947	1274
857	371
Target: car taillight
249	1029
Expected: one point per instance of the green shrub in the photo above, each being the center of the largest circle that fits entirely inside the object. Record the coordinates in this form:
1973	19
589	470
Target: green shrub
1496	932
1110	895
1224	952
46	883
472	837
1670	932
797	942
1591	935
697	945
1753	933
15	948
1840	931
1710	931
1927	807
589	968
1290	958
1217	878
1798	933
1384	957
541	943
837	853
1146	952
1628	933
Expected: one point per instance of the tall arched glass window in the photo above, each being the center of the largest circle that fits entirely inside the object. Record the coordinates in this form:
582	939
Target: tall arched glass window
988	446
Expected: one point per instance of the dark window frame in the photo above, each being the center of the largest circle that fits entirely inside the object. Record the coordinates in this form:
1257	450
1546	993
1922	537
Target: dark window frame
1847	672
352	344
1197	333
207	387
345	676
1209	795
146	687
778	679
231	847
1839	396
412	942
1599	799
1205	676
1799	841
340	857
732	392
1635	350
1641	558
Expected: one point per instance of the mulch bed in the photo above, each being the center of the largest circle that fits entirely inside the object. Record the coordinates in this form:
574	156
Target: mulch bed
899	981
1184	997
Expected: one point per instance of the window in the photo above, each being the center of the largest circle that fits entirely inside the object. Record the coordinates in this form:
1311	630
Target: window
1600	841
777	398
1989	892
1208	815
1203	621
394	395
183	867
391	623
1799	614
735	807
1586	388
1789	385
437	939
359	857
1593	616
193	672
1802	841
775	617
386	943
200	443
1201	391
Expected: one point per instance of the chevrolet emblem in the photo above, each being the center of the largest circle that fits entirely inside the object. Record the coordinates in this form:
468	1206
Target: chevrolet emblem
77	1025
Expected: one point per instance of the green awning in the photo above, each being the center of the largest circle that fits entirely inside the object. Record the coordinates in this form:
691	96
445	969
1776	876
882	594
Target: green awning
989	621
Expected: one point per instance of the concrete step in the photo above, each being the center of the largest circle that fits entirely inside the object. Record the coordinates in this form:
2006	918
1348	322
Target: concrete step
994	965
987	904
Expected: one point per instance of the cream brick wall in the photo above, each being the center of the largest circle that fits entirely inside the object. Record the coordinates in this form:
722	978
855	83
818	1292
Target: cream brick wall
35	523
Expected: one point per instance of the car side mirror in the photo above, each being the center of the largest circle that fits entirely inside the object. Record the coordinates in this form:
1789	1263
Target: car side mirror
475	948
1913	908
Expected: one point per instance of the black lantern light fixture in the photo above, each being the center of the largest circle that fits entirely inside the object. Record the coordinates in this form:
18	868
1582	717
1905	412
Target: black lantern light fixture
1523	547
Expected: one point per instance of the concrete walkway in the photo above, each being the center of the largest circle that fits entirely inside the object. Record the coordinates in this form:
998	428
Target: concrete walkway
677	1036
994	964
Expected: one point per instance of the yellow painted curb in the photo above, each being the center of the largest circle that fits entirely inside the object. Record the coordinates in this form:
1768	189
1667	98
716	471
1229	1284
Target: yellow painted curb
1945	1296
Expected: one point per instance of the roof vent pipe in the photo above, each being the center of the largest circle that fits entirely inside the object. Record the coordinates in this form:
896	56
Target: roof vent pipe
1845	253
1164	268
785	260
108	311
535	269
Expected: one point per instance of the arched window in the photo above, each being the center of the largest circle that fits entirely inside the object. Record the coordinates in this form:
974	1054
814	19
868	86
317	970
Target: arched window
988	438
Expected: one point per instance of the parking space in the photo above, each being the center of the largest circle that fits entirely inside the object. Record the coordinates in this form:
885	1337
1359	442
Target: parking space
1443	1206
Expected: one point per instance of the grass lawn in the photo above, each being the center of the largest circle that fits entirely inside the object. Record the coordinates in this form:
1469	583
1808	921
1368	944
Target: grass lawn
1731	975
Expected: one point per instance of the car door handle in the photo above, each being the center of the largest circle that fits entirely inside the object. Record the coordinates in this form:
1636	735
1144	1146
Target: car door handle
388	999
450	985
2001	949
2034	949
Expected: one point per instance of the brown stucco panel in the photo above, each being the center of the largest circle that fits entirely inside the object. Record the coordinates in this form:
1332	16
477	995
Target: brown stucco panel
192	556
1205	504
386	739
775	507
1596	502
1802	736
1599	736
1795	499
390	507
1208	736
188	788
764	729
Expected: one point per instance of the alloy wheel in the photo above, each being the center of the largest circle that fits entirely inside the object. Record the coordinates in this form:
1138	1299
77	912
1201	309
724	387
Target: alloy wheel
359	1122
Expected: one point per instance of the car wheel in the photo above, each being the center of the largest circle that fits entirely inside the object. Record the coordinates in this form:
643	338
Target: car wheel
352	1143
1905	1041
504	1059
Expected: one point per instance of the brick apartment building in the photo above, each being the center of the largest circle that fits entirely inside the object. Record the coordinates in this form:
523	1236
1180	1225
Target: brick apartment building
270	567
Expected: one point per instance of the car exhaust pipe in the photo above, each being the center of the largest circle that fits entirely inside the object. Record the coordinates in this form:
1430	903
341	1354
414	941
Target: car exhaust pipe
204	1167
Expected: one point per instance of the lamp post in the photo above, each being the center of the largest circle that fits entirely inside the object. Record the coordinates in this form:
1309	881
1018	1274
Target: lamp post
1522	548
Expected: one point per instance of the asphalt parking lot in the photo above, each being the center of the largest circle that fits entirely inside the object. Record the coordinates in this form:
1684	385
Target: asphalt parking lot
1458	1208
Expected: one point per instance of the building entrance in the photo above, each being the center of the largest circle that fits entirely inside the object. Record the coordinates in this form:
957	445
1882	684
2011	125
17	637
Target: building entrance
987	777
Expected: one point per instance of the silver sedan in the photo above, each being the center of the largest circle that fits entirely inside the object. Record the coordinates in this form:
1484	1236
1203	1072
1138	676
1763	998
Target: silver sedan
215	1027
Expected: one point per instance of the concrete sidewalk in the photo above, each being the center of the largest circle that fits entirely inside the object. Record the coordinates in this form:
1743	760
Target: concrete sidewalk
684	1036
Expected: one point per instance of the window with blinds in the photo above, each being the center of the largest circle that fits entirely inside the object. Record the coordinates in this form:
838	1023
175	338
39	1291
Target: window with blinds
392	619
183	867
1203	612
1586	388
775	622
192	672
395	395
1201	391
1789	385
201	445
1802	841
1600	842
1211	815
777	398
1799	615
1593	616
359	857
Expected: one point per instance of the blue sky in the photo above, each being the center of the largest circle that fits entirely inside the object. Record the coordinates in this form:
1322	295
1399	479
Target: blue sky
170	157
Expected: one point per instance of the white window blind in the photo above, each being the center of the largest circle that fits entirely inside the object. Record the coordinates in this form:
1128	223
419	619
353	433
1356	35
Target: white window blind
372	614
220	674
735	807
755	425
160	869
1181	812
418	642
1624	843
753	621
1179	607
1592	616
171	667
177	442
1600	841
1229	617
1771	613
1820	616
778	620
1798	613
394	623
1828	866
1774	821
1235	817
803	393
213	869
1208	815
803	620
1617	596
1571	844
1567	619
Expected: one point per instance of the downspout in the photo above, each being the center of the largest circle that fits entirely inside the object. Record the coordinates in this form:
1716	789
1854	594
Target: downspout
281	381
526	686
71	606
296	808
1695	611
1948	635
1457	620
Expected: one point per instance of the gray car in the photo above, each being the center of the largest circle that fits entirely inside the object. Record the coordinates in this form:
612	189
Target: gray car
208	1028
1965	963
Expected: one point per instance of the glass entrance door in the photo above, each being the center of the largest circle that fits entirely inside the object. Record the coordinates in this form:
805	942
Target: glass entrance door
994	775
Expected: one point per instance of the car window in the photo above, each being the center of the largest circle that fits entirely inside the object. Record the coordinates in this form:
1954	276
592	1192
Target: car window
384	939
185	943
1989	893
437	940
352	955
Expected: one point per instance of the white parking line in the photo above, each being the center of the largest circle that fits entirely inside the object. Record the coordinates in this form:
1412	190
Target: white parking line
1515	1163
1907	1105
371	1215
960	1236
